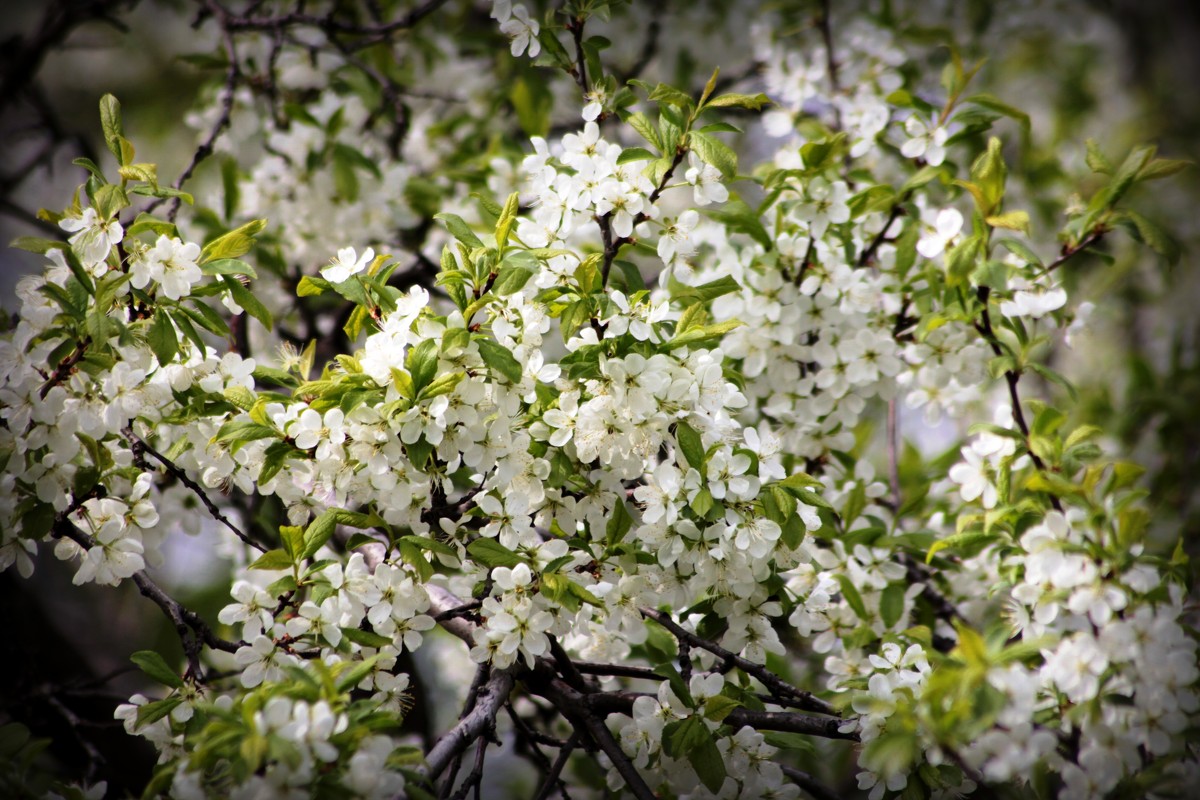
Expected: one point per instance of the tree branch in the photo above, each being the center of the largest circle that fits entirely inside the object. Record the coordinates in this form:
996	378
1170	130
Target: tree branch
552	776
776	685
1012	377
193	631
491	698
140	446
809	784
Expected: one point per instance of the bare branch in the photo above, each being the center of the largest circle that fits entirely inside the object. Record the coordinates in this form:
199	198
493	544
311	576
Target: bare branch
552	777
140	446
1012	377
809	784
193	631
776	685
491	698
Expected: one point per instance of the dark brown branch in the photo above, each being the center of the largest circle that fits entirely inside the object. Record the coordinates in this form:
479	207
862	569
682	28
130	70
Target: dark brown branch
491	698
552	776
140	446
618	671
64	369
193	631
229	88
831	63
1012	378
893	448
1070	252
605	703
613	246
328	24
809	784
579	71
776	685
868	255
23	58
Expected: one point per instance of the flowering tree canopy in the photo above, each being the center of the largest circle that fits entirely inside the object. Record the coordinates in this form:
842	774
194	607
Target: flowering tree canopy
578	394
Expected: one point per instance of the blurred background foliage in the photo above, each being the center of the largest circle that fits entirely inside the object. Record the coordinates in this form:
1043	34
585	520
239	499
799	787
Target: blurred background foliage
1122	72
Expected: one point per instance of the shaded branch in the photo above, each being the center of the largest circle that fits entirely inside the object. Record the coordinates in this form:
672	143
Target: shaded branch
140	446
491	698
809	784
776	685
1011	377
193	631
553	775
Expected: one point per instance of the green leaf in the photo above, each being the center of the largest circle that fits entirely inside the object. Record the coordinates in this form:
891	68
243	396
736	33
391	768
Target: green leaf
1163	168
204	316
228	266
162	191
618	524
1011	220
33	244
500	359
891	604
1155	236
706	334
508	216
634	154
318	531
646	127
422	363
851	596
354	676
491	553
365	638
713	151
718	707
688	295
692	739
153	712
146	222
992	103
91	167
139	172
510	280
110	123
242	431
964	539
162	338
244	298
310	286
754	102
691	445
273	559
1021	250
1096	160
740	218
788	741
664	93
236	243
156	667
110	200
459	229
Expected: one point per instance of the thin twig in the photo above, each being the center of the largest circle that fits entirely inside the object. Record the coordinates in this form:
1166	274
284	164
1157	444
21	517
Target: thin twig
491	699
1011	377
140	445
831	63
552	777
893	448
809	784
193	631
775	684
1070	252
